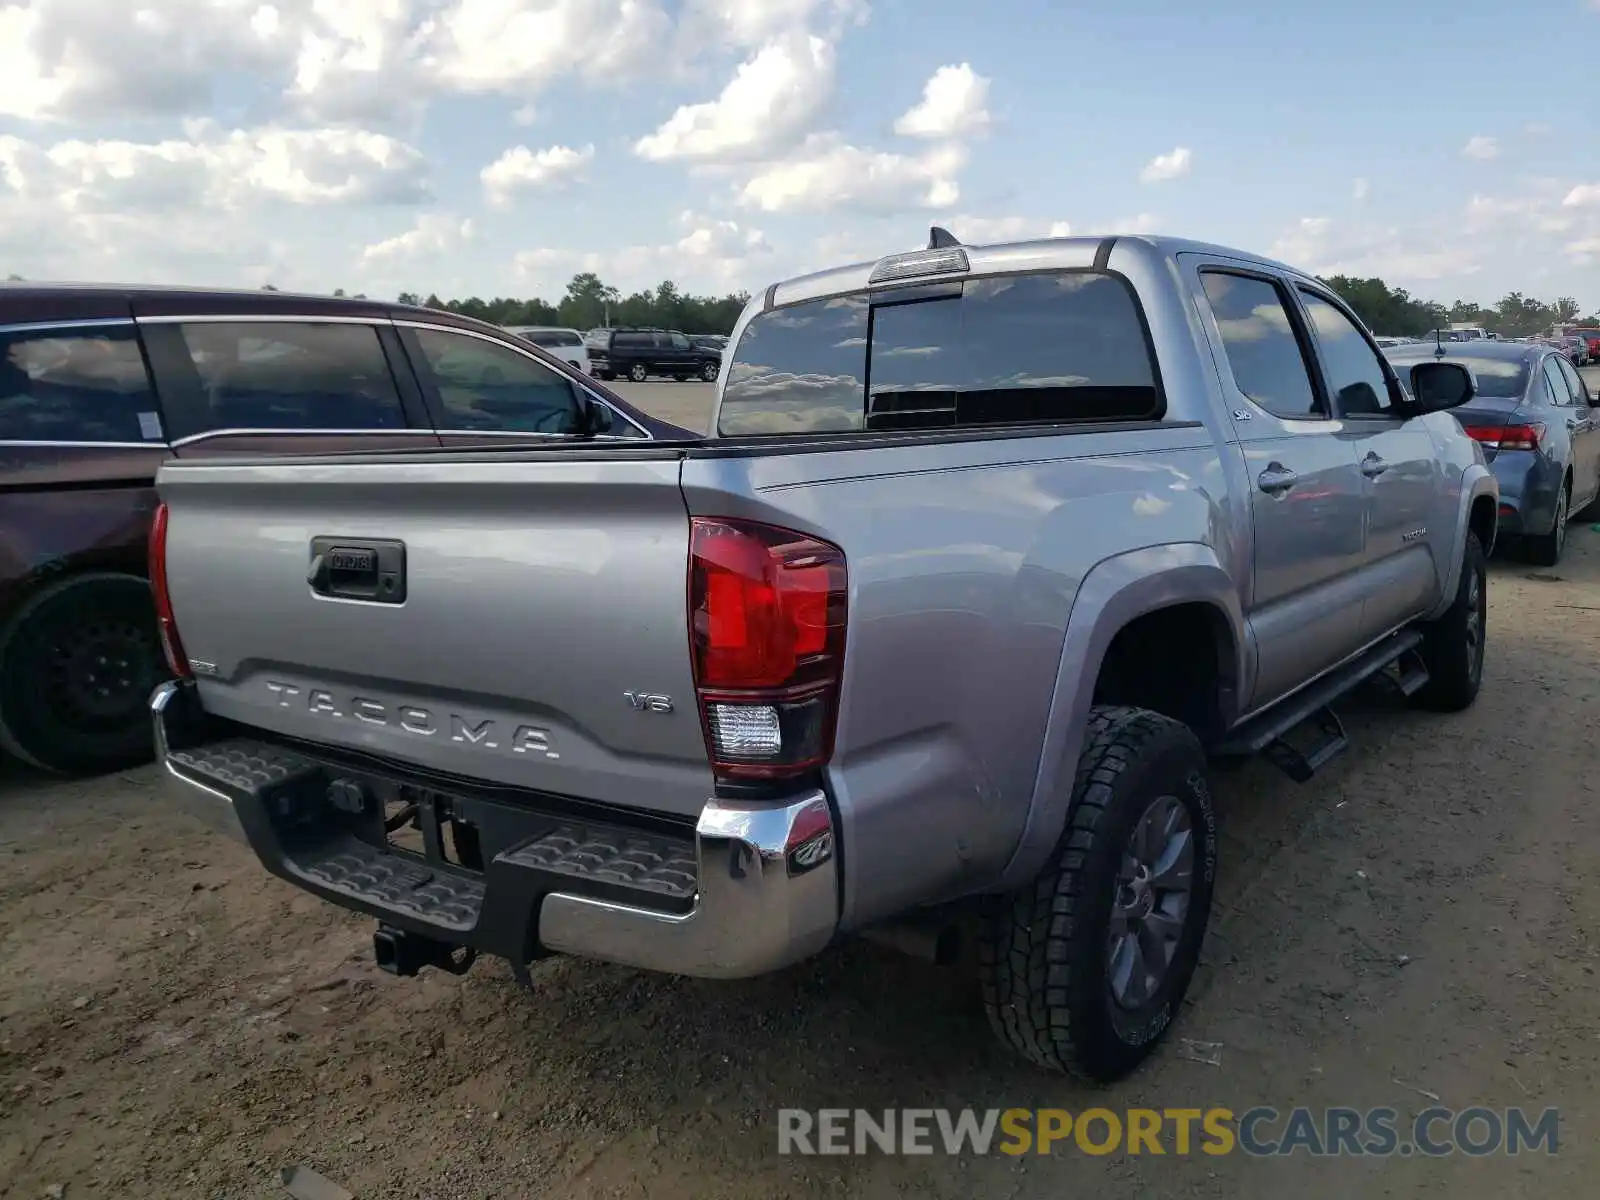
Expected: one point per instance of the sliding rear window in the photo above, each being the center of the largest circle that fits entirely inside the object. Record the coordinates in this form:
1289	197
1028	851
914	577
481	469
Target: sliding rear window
1026	349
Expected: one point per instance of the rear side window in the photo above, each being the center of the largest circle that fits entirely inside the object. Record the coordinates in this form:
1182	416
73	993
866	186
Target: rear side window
1259	339
553	337
1059	347
293	375
77	385
799	370
633	341
486	387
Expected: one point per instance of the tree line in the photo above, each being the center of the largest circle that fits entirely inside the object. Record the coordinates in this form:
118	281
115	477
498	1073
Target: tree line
1393	311
589	303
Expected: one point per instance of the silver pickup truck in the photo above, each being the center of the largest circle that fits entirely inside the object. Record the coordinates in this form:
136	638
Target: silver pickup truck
992	553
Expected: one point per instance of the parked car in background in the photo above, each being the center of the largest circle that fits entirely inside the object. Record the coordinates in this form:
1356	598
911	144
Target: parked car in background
1541	437
637	354
1592	338
992	548
1575	347
710	341
565	344
100	385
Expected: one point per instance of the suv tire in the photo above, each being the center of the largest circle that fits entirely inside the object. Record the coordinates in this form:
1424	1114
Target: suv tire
638	373
1453	645
78	662
709	372
1545	549
1061	986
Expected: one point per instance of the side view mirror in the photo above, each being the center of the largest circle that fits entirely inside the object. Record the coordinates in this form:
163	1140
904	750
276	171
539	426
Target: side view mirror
1441	385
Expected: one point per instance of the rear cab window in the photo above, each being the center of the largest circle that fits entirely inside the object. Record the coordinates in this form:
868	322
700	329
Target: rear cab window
78	384
1051	348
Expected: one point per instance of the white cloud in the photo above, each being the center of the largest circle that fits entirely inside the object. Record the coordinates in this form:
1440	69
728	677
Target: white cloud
954	104
1143	223
1481	148
520	171
1360	189
85	58
216	167
1324	246
773	97
1167	166
713	255
1585	195
978	231
746	23
431	234
829	174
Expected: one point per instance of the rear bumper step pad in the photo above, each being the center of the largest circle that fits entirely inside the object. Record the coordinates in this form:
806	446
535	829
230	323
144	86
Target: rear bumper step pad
750	888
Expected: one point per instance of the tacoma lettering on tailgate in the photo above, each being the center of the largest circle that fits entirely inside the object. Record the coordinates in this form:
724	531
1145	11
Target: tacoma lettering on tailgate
484	732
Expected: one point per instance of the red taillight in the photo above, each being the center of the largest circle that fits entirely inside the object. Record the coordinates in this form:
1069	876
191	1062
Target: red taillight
1507	437
766	632
177	661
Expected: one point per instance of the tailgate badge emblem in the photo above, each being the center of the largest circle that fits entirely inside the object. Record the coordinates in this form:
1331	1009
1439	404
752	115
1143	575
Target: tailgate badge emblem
652	702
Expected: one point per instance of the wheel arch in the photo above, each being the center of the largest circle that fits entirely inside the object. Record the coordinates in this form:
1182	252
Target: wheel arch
1185	582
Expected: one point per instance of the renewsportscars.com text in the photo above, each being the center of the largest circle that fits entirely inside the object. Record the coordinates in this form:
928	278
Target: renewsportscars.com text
1260	1131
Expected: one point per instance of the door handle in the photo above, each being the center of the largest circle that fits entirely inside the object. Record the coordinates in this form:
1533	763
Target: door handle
1276	479
1372	466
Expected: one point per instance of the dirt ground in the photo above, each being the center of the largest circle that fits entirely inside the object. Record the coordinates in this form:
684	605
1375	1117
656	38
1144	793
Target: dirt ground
1421	919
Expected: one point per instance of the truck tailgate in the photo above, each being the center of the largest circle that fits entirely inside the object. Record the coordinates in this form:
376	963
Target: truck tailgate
542	637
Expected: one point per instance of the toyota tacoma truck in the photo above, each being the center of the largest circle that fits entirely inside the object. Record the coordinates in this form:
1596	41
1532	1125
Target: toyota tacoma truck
992	553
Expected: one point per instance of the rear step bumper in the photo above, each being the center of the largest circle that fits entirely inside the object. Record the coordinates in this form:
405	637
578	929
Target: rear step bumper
752	887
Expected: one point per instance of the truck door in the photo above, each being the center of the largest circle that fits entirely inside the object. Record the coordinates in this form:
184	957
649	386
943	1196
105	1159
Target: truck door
1306	495
1402	481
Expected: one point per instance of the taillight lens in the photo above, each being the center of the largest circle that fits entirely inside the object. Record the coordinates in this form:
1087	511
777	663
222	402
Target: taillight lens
166	624
766	632
1507	437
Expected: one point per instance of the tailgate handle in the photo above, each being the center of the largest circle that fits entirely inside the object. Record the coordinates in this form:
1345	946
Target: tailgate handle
358	569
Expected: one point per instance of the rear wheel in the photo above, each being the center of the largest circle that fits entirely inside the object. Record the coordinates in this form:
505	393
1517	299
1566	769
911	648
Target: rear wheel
77	665
1084	968
638	373
1545	549
1453	646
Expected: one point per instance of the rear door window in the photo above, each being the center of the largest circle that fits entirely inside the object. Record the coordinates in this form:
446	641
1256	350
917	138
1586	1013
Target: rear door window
1023	349
293	375
76	385
1259	339
484	387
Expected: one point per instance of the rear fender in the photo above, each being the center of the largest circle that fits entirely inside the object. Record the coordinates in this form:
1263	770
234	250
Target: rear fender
1117	591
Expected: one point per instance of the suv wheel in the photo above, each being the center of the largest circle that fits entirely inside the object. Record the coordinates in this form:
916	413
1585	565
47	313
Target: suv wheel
708	372
77	665
638	373
1083	969
1453	646
1545	550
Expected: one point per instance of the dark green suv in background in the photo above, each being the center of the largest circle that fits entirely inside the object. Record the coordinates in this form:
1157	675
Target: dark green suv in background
637	354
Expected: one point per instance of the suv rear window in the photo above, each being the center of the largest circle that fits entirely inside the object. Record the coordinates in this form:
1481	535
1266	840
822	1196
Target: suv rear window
553	337
1059	347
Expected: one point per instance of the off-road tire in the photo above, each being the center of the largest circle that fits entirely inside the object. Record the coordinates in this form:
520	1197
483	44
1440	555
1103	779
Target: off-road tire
1455	664
1042	959
45	720
1545	549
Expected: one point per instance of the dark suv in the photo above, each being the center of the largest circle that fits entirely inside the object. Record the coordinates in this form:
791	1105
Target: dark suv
99	384
641	353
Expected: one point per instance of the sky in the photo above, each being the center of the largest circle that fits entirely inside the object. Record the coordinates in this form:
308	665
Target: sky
497	147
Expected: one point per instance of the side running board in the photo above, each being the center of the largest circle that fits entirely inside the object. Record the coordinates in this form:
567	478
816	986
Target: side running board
1309	712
